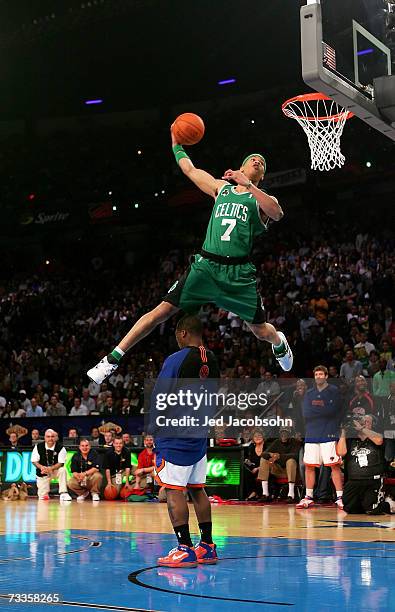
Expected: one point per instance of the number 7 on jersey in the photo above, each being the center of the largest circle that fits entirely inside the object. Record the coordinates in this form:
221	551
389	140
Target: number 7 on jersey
232	224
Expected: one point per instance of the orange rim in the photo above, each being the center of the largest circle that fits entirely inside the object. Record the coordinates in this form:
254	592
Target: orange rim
311	97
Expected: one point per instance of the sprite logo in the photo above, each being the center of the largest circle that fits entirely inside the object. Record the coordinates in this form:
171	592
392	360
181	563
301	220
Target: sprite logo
216	468
223	470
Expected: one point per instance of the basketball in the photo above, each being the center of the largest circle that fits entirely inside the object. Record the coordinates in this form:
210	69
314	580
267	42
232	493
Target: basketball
124	493
110	492
188	129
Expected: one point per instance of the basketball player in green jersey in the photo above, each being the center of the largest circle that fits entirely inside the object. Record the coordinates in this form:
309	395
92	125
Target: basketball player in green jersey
222	272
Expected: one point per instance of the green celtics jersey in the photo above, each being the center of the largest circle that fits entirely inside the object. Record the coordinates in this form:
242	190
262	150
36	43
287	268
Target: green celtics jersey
235	222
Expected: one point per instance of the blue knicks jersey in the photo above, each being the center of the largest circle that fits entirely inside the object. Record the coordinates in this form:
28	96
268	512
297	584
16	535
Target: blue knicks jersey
199	367
322	412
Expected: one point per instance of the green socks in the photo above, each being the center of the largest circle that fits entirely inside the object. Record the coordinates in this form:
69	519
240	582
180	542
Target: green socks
280	349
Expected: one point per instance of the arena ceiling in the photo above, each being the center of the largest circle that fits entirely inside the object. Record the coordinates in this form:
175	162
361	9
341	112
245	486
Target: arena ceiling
54	54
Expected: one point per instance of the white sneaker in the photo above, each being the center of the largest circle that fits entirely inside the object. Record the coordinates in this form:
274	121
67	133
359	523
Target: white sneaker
82	497
101	371
95	497
65	497
306	502
339	503
286	360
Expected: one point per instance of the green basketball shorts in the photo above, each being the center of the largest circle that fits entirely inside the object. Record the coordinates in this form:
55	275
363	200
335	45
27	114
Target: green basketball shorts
231	287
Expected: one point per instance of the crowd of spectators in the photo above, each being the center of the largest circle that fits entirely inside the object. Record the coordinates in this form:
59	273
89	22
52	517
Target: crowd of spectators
332	299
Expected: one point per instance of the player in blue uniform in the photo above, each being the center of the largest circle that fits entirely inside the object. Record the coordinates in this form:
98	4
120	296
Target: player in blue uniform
181	463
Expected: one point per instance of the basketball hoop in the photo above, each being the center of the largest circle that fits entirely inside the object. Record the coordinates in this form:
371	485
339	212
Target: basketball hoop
322	120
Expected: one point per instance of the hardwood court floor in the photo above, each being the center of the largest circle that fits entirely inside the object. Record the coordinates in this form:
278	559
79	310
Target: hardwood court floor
272	520
102	556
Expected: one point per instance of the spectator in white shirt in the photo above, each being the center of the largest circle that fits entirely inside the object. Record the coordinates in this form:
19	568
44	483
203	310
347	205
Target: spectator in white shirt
79	409
18	411
25	403
363	342
234	320
103	395
94	389
116	378
88	401
362	350
269	386
49	458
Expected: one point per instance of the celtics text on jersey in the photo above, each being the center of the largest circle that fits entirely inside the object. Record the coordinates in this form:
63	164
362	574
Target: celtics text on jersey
234	223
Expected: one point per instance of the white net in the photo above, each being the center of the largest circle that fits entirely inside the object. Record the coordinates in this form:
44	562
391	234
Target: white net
322	120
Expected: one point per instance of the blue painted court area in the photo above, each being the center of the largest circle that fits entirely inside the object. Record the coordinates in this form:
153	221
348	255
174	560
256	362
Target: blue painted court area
116	571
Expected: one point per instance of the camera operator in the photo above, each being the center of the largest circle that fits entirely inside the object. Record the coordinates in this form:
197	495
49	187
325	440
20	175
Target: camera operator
362	449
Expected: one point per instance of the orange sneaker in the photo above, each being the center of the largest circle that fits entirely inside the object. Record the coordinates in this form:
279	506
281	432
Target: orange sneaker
206	553
182	556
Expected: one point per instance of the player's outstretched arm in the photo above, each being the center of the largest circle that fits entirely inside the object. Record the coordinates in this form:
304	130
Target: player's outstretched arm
202	179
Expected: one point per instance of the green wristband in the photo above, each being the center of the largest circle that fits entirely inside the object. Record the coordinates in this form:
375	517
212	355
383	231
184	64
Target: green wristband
179	153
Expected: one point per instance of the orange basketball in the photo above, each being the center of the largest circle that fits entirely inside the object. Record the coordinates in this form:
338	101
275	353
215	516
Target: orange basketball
188	129
124	493
110	492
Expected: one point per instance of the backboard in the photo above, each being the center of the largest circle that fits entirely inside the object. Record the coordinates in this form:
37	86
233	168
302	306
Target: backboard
346	45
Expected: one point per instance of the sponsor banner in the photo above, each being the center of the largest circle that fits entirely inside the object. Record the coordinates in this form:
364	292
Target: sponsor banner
276	180
45	218
223	466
